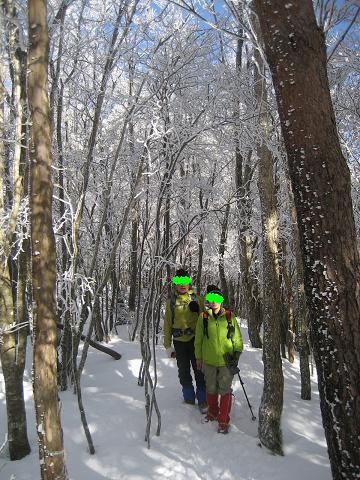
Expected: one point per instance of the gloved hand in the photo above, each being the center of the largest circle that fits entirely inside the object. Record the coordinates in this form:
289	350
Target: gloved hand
232	361
171	352
194	306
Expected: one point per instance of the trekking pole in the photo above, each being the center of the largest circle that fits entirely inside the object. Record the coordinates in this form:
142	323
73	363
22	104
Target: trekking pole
253	418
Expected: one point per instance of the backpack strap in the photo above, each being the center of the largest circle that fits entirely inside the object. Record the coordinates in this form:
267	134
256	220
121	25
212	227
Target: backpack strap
205	322
173	303
172	307
228	318
229	326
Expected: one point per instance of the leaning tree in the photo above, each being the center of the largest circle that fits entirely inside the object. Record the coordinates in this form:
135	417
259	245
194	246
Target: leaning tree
296	53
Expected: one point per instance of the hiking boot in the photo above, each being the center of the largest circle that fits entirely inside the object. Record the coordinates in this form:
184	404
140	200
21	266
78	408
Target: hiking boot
209	418
223	428
190	401
203	407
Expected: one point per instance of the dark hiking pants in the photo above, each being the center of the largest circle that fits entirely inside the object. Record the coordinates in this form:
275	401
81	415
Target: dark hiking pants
185	357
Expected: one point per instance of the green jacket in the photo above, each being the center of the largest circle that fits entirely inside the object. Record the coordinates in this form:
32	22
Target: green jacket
211	350
183	319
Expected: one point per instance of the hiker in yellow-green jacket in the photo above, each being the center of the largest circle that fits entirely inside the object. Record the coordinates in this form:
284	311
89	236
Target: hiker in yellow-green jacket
181	315
218	343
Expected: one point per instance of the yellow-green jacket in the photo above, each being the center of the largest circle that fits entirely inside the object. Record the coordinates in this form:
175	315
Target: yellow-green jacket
183	318
211	350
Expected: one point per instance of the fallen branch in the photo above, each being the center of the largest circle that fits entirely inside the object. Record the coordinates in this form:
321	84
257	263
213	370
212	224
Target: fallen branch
97	345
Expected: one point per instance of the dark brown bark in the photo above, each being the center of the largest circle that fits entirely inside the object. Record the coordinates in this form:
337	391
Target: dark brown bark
301	316
97	318
134	211
289	304
13	349
13	364
249	284
296	54
167	238
270	409
51	449
200	262
133	256
222	248
203	205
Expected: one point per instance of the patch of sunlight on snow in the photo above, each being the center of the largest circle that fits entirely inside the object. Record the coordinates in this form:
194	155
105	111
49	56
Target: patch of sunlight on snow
93	428
77	436
134	366
186	428
312	457
91	389
131	402
310	432
169	362
103	470
174	468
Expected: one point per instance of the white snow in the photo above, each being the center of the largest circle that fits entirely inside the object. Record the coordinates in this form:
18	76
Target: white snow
186	449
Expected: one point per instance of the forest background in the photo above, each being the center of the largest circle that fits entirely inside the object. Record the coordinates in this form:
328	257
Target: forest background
139	136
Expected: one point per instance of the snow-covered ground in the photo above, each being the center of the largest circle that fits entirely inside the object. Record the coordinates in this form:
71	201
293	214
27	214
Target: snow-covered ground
186	448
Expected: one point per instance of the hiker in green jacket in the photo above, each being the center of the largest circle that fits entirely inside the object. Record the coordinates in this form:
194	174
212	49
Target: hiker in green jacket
217	334
181	314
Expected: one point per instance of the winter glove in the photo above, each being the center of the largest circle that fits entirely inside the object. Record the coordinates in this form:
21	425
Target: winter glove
231	363
237	357
194	306
171	352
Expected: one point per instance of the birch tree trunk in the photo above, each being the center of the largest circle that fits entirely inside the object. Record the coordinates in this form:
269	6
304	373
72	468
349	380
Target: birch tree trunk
51	450
296	53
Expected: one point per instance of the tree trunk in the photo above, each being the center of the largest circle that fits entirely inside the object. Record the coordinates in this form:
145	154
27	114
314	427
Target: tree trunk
203	206
272	398
289	304
133	256
200	263
135	209
222	248
51	450
13	349
167	238
301	316
13	363
249	284
296	54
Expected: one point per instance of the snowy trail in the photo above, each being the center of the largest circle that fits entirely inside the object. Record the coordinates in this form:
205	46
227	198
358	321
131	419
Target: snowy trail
186	448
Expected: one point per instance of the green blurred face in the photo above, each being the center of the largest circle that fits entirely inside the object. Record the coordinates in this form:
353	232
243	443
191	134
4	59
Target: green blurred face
214	300
182	284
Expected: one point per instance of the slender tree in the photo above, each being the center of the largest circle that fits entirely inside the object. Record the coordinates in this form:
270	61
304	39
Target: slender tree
13	350
243	174
272	398
51	450
296	54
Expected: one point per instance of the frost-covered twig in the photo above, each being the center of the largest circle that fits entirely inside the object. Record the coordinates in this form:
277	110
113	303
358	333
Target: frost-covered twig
12	328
